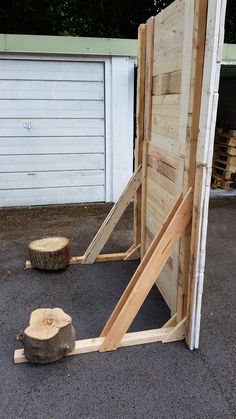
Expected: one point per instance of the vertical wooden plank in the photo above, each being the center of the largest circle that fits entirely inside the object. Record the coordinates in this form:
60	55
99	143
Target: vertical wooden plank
147	123
213	50
139	126
200	17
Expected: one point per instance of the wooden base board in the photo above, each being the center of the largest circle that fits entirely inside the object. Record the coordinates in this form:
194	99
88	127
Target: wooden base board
92	345
106	257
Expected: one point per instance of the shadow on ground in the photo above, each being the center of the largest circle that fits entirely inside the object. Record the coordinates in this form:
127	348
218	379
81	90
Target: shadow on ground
148	381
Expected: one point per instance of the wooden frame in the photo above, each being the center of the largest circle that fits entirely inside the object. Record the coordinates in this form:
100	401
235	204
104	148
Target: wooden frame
183	168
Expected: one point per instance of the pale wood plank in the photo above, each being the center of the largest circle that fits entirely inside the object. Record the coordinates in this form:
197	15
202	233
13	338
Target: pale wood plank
78	260
92	345
139	126
146	275
147	122
177	333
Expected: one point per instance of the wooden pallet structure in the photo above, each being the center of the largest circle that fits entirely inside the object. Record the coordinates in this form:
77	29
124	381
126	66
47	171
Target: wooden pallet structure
224	159
178	58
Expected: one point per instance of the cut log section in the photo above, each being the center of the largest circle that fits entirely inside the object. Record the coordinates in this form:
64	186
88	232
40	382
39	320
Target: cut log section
49	336
51	253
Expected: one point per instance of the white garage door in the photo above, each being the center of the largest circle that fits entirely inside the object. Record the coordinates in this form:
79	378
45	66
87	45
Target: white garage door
51	132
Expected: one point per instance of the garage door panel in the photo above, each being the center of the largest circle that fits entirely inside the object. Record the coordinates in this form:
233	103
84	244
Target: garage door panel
47	196
51	179
52	109
51	127
53	162
30	89
51	70
52	145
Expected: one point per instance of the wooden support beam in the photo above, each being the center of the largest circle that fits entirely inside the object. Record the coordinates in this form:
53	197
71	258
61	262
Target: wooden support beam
177	332
113	217
171	322
78	260
141	283
141	268
147	123
139	126
92	345
133	254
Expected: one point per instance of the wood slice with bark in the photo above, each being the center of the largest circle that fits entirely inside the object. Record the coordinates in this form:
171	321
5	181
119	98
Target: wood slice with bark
49	336
50	253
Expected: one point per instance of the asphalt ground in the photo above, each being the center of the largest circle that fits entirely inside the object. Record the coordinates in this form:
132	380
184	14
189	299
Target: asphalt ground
146	381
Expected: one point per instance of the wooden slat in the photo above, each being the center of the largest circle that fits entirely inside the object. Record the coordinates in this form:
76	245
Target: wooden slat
113	217
191	243
147	272
134	254
78	260
92	345
147	122
177	333
166	84
139	127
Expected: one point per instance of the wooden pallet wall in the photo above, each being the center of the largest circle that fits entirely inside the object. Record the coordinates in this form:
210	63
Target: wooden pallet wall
167	151
181	70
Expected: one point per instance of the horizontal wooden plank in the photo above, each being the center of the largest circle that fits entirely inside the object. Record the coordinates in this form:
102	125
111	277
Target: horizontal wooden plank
168	61
155	177
93	344
51	179
166	125
21	89
47	196
51	70
51	108
169	18
51	145
164	156
169	39
51	162
167	84
165	143
51	127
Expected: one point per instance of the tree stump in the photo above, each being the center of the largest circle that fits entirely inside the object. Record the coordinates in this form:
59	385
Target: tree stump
49	336
51	253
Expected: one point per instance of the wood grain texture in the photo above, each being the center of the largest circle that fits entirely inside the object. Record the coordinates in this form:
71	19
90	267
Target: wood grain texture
146	274
139	127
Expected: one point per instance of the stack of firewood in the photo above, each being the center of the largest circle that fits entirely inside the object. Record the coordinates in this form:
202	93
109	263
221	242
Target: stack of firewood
224	159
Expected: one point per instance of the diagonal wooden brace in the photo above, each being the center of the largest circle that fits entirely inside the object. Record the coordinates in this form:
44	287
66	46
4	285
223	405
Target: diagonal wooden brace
146	275
141	266
113	217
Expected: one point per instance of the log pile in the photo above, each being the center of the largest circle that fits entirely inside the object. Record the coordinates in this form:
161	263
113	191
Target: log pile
224	160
